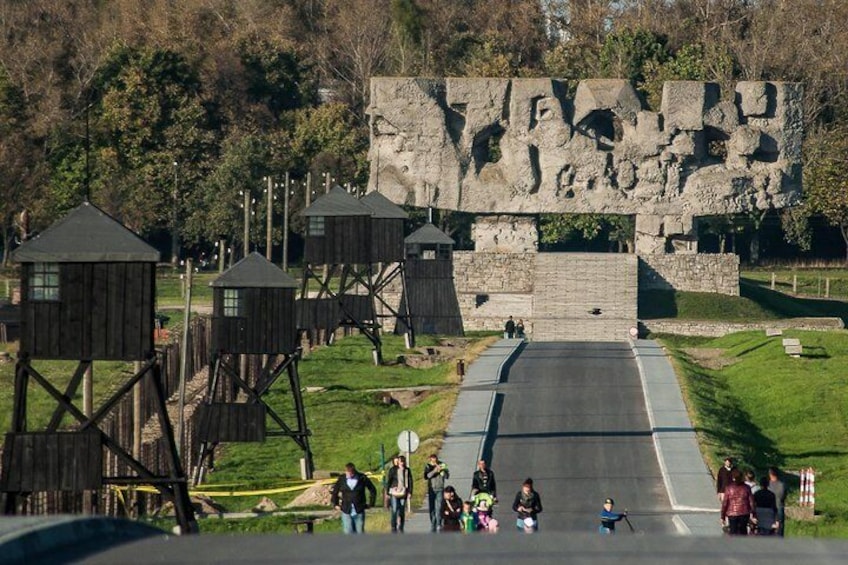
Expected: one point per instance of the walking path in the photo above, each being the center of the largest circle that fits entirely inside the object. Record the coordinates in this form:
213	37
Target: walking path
469	426
686	477
688	481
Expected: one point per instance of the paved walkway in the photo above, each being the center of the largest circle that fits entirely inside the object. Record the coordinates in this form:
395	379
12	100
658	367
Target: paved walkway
687	480
467	432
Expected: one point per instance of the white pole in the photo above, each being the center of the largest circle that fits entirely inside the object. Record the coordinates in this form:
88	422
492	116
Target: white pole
184	360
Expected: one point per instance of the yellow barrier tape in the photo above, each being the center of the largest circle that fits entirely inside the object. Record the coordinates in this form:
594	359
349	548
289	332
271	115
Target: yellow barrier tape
228	493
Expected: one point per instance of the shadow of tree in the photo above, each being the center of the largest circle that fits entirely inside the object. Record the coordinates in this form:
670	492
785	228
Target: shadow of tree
723	424
790	306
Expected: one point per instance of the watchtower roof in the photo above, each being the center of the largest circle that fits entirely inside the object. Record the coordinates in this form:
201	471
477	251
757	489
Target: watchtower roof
86	234
382	207
254	271
337	202
429	234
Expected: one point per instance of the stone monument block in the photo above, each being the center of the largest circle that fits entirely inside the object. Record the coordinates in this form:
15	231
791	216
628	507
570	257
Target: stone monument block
505	234
617	95
745	141
523	146
684	103
753	98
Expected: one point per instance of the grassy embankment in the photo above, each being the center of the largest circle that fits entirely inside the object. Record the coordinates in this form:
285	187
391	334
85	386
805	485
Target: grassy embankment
749	399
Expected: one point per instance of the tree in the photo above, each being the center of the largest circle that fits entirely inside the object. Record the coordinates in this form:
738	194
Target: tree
560	228
20	166
826	177
407	27
627	53
218	204
352	46
151	116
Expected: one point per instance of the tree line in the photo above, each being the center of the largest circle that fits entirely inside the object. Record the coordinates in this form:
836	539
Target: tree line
163	113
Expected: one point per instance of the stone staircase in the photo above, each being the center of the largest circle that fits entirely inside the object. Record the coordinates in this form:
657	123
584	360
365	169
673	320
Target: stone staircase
584	296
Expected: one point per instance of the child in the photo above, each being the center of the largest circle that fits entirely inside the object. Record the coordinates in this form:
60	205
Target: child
609	518
468	518
485	521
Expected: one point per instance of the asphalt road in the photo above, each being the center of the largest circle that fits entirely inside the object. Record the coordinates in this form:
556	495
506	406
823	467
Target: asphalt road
572	416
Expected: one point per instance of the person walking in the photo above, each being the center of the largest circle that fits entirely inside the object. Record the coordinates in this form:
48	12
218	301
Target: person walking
527	505
451	510
348	496
483	480
723	477
609	518
400	490
509	328
435	473
737	506
778	487
519	329
766	504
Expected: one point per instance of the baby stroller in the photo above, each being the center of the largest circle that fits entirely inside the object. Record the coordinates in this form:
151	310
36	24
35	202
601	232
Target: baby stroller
483	503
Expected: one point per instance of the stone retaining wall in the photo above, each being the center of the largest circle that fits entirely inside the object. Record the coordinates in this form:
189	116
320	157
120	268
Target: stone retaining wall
718	329
718	273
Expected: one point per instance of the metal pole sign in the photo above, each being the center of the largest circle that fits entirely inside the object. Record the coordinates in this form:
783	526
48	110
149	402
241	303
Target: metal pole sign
408	441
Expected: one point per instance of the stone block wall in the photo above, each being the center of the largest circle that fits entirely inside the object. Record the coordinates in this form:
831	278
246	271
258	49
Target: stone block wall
708	328
584	296
718	273
543	287
492	286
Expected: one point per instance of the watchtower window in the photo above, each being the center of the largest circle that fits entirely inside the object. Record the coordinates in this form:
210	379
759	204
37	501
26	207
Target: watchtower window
232	303
316	225
44	284
429	254
443	251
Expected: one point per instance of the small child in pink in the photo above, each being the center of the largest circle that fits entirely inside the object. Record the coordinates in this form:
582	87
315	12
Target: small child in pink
485	522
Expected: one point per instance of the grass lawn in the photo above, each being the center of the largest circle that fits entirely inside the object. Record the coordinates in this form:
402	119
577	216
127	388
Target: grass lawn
756	303
349	421
748	399
108	376
810	282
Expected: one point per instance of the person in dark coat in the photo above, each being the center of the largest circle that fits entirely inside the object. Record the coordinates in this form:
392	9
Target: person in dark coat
778	487
766	504
527	505
348	496
483	480
723	477
451	510
509	328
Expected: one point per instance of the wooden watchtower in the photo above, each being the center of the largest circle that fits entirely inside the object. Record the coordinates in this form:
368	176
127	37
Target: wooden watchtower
88	286
430	292
387	251
253	314
339	262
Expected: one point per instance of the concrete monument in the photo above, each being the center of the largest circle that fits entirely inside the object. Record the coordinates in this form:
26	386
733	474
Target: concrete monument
523	146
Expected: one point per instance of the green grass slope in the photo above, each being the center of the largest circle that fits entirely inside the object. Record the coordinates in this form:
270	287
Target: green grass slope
766	408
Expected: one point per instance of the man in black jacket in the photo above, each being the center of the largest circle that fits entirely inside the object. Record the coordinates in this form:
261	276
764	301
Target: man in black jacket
483	480
509	328
348	495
